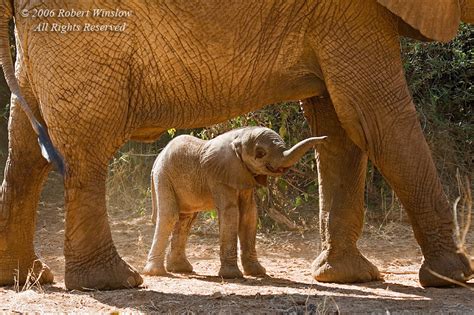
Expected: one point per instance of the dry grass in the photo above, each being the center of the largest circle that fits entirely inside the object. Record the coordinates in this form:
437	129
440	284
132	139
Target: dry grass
328	306
128	185
450	280
32	281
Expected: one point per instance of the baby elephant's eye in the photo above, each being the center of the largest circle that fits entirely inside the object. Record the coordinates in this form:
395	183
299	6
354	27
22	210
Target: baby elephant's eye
260	153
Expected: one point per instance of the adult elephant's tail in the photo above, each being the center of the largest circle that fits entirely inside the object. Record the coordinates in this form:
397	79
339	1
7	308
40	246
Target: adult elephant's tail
48	150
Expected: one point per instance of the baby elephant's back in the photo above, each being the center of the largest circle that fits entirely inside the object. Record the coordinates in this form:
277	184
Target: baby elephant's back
180	157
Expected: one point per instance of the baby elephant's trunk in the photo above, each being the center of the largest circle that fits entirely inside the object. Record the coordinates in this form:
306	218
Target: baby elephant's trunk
292	155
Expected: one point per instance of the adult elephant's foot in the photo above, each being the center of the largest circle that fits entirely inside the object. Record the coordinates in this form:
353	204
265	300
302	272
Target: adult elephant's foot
347	266
254	268
103	275
230	272
18	269
154	268
178	264
447	269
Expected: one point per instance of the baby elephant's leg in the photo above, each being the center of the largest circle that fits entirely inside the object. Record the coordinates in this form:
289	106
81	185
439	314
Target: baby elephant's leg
248	234
176	260
168	213
227	204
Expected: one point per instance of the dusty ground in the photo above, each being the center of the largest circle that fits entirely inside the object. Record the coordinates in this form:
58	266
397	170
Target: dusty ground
288	289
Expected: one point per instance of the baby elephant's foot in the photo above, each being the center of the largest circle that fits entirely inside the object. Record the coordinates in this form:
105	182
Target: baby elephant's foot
153	268
230	272
178	265
254	269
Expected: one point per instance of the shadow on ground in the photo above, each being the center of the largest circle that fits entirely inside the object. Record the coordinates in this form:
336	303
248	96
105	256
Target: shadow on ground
317	298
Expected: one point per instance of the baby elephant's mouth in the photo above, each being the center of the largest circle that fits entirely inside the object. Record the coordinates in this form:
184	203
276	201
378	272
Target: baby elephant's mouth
279	170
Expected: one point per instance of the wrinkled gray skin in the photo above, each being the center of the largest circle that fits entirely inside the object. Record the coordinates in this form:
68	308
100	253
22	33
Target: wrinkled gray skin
193	175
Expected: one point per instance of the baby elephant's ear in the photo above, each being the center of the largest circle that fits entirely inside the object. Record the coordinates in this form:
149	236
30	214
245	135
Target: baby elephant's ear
222	163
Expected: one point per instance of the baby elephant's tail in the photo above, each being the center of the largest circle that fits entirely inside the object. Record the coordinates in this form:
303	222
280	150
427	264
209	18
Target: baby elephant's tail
153	201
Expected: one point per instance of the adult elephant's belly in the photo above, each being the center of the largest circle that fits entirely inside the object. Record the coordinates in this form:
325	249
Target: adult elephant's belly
193	70
190	100
187	104
190	83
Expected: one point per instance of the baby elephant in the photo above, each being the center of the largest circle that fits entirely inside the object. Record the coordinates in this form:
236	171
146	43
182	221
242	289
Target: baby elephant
192	175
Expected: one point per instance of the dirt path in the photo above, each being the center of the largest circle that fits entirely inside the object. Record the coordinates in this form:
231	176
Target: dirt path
288	289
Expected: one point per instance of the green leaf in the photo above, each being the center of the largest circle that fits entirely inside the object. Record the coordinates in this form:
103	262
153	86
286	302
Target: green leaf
282	184
298	201
172	132
213	214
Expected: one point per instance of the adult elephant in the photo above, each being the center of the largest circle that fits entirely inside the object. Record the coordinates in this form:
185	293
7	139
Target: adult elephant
186	64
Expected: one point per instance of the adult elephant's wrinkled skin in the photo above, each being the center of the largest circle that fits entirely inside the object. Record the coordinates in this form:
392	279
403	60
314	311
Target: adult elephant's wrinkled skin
185	64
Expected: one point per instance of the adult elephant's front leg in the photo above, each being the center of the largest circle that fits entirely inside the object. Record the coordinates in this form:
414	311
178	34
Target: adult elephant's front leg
341	167
374	106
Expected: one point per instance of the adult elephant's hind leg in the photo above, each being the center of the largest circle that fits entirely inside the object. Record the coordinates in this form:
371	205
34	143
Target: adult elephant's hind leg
341	167
25	173
92	261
